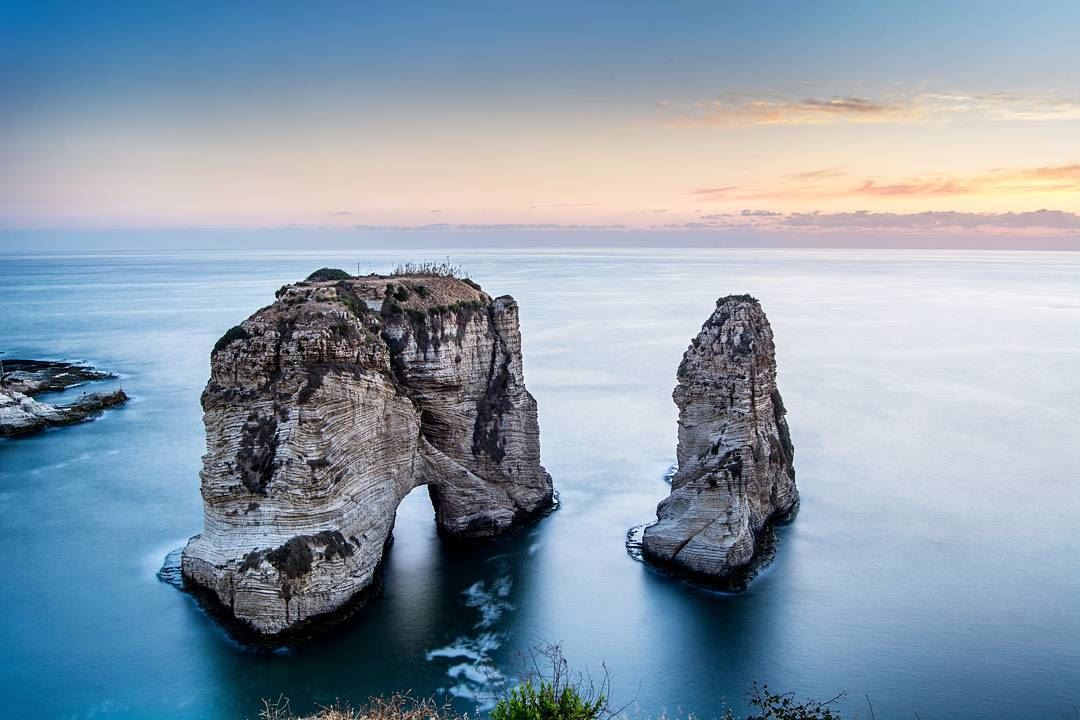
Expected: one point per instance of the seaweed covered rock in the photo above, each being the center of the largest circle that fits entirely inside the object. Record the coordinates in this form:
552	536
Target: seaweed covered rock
735	474
325	409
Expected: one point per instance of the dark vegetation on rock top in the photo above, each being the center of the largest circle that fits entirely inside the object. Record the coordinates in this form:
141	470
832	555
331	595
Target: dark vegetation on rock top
326	274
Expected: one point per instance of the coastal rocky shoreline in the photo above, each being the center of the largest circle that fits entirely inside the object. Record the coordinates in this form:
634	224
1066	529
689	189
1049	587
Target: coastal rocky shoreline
735	477
22	380
325	409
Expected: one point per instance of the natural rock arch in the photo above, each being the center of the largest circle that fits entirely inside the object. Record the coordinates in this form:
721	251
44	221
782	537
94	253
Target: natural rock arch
325	409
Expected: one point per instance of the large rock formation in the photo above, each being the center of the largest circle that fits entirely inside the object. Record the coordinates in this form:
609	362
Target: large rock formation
326	408
735	475
20	380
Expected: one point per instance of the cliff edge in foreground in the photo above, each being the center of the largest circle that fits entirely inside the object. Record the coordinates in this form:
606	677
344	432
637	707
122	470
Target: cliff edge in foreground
735	475
326	408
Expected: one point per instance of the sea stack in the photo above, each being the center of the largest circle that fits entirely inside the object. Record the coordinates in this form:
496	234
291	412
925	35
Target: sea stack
325	409
735	476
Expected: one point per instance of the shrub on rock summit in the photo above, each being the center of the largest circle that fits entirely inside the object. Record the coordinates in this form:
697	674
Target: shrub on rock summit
327	274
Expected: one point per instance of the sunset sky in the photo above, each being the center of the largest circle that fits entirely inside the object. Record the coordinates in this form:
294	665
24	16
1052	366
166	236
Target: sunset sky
803	116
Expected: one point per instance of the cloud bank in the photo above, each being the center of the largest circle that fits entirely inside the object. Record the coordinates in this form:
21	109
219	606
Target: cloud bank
1041	221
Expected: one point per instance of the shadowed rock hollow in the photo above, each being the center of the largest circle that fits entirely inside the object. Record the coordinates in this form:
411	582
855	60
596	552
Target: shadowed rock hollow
735	475
326	408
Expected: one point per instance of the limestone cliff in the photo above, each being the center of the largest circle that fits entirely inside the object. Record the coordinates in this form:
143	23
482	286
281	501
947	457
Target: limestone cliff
735	475
326	408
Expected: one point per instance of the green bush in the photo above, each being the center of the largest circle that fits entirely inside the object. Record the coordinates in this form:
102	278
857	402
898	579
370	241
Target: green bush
234	333
555	693
355	305
746	297
326	274
547	701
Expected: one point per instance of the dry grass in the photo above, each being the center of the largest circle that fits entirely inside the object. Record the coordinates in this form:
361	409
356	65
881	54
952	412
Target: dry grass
429	268
399	706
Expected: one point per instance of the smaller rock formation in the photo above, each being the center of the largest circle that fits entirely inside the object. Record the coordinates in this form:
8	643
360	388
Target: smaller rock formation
735	475
21	414
33	377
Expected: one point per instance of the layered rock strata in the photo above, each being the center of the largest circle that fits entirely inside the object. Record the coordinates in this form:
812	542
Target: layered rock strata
20	413
735	474
326	408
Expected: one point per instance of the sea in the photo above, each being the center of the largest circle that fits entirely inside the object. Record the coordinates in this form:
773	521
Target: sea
933	570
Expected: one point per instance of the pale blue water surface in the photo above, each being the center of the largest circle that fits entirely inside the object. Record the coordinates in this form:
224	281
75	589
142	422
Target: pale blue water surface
935	565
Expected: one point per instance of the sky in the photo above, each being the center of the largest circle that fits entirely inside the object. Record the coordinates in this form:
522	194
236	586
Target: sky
816	117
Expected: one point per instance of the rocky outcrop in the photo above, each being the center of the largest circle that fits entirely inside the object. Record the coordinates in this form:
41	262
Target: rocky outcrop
326	408
32	377
735	475
20	413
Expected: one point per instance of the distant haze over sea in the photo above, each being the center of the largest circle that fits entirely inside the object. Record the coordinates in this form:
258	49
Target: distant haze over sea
508	237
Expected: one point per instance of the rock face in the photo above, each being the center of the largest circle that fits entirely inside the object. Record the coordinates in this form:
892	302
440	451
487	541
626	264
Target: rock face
21	414
735	475
326	408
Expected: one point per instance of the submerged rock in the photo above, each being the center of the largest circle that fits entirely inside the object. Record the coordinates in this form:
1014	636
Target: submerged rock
20	413
735	475
326	408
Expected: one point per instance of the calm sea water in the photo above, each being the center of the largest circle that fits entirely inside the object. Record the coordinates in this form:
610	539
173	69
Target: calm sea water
935	565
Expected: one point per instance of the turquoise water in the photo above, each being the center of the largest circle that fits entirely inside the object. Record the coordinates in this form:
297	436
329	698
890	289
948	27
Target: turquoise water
935	564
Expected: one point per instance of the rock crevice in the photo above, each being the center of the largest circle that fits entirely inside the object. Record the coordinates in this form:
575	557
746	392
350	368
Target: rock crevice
326	408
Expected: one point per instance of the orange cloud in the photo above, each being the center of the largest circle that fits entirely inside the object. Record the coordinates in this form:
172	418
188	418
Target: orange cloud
817	174
740	110
1008	181
716	191
1057	178
924	188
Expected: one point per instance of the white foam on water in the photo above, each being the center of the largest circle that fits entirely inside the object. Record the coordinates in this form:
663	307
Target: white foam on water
163	562
476	648
491	603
